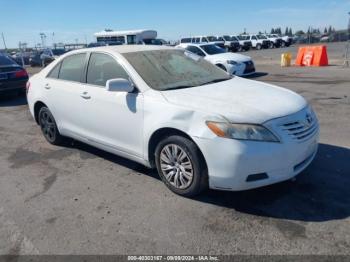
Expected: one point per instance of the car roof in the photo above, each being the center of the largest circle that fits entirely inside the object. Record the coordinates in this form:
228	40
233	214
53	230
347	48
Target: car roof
123	48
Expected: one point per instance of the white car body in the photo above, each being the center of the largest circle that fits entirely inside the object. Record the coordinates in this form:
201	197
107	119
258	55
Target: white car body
244	65
275	40
258	43
286	40
245	44
203	39
124	123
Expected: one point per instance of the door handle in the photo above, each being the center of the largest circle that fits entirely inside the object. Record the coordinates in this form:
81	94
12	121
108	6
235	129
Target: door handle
47	86
85	95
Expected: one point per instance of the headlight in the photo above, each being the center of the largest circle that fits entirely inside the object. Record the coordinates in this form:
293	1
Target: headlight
231	62
242	131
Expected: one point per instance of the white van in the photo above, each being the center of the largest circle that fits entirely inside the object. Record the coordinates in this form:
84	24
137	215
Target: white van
131	37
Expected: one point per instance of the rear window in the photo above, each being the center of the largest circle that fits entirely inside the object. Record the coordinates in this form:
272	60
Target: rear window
6	61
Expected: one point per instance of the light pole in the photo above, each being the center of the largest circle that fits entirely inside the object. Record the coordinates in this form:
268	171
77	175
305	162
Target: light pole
347	59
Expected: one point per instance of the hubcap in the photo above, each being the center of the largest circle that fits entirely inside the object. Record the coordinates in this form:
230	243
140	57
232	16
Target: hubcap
48	126
176	166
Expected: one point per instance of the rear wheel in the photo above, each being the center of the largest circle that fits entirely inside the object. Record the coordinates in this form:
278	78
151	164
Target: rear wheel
49	128
258	46
180	166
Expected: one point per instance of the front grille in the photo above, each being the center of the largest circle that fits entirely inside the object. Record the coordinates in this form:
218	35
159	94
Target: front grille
247	43
301	129
249	67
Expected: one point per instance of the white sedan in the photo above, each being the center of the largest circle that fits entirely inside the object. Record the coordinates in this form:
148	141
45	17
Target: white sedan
234	64
166	108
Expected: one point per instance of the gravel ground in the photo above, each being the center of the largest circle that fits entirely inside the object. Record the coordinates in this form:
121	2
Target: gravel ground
80	200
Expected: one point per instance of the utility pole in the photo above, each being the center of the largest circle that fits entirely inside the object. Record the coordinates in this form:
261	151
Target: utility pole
347	49
3	39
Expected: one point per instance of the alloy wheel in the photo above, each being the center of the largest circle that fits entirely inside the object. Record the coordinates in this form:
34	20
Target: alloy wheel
48	126
176	166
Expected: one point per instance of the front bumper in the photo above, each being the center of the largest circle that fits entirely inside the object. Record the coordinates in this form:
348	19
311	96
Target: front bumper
242	69
234	164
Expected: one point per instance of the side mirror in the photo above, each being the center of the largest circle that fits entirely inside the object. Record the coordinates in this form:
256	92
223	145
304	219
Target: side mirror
119	85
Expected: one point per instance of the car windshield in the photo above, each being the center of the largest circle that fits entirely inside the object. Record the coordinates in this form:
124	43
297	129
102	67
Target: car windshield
212	38
227	38
6	61
212	49
174	69
234	38
243	37
261	37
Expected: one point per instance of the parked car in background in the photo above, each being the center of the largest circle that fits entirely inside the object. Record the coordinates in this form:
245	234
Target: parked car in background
38	58
234	64
258	41
45	56
286	40
231	44
216	40
275	40
17	57
244	43
166	108
13	78
203	39
156	41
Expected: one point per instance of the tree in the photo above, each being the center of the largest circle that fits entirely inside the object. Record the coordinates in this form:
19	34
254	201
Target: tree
290	33
272	31
325	31
330	30
299	32
287	31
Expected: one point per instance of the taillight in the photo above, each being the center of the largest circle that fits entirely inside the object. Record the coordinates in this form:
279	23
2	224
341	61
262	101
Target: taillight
20	74
27	87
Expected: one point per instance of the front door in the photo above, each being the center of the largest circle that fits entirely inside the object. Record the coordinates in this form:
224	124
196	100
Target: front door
112	119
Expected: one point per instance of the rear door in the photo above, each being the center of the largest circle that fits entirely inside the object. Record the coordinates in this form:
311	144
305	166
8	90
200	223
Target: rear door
65	93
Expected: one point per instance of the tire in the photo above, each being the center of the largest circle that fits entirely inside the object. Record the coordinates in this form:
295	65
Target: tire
272	45
258	46
283	44
49	128
186	176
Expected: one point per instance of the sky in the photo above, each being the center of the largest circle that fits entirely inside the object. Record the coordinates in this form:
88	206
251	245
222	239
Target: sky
77	20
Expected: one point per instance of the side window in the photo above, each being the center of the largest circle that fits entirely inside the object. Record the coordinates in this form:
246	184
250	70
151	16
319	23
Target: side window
103	68
254	38
72	67
55	71
195	50
186	40
221	38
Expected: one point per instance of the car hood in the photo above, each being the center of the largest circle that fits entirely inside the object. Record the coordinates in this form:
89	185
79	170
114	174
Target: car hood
229	56
239	100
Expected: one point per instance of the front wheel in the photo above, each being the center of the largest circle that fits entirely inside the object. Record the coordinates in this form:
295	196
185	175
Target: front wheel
258	46
181	166
49	128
